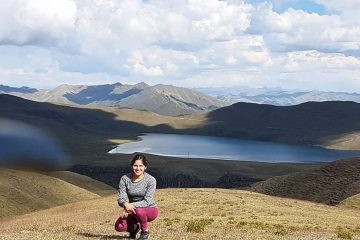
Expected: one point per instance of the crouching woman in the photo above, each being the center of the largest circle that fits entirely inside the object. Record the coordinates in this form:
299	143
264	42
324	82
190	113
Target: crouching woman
140	209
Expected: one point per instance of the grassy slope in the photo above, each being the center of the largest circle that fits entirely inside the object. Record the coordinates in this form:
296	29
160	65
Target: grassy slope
86	134
330	184
352	202
230	214
346	141
22	192
152	119
84	182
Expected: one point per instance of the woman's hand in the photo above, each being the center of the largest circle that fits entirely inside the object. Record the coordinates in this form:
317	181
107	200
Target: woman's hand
124	214
129	208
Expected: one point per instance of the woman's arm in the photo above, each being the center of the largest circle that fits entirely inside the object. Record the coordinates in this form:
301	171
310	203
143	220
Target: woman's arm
128	207
149	195
122	197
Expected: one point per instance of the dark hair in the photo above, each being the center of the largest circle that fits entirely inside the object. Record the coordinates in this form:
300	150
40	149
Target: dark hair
139	156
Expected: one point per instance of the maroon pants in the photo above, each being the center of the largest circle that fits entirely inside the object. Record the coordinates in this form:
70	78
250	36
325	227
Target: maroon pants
142	216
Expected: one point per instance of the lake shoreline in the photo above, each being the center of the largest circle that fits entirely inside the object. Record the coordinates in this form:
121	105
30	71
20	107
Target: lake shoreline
224	148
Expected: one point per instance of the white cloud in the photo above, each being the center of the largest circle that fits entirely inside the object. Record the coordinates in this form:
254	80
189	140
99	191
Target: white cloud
299	30
218	19
247	50
313	60
301	70
50	79
347	9
147	71
344	5
160	62
185	43
326	71
36	22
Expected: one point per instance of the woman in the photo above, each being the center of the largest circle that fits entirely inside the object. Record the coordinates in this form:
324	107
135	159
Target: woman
139	187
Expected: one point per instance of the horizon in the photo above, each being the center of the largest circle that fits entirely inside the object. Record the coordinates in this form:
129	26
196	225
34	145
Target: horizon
291	44
195	88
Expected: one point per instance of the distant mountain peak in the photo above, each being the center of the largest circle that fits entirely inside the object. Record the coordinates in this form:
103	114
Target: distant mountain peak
7	89
276	95
162	99
142	85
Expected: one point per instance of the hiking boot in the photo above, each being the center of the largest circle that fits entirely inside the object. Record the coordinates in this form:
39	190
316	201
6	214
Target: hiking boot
144	235
133	234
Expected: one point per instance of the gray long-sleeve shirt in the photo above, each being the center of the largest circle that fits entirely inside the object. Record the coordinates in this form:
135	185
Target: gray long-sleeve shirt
140	194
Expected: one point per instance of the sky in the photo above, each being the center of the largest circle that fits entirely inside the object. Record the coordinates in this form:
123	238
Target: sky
292	44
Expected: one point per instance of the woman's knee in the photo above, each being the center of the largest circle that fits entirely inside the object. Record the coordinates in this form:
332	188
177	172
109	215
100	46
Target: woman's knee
120	228
146	213
140	212
152	214
120	225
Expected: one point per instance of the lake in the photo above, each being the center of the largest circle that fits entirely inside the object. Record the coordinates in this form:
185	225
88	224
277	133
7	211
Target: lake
195	146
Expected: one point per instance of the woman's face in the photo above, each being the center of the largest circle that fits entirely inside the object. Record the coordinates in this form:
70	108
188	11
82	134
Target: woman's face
138	168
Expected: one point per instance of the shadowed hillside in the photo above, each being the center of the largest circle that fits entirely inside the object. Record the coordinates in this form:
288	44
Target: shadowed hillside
84	133
332	124
330	184
192	172
312	123
88	134
191	214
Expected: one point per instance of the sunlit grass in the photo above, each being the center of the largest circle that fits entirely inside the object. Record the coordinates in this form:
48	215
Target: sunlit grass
196	214
119	141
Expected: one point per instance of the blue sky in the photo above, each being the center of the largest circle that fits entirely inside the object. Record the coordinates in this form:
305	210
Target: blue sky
281	6
311	45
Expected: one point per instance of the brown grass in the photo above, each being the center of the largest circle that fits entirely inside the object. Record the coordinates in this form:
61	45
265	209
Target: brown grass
331	183
352	202
151	119
84	182
22	192
194	214
347	141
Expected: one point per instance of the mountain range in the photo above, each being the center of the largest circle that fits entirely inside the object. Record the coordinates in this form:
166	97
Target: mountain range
276	96
88	134
171	100
162	99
